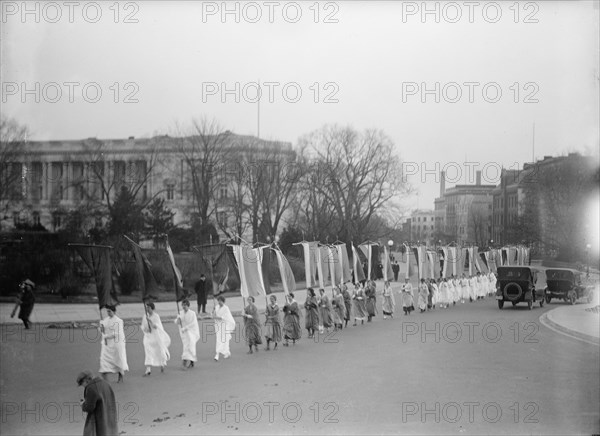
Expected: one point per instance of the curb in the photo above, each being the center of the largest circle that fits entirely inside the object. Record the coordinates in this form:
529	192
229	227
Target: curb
547	322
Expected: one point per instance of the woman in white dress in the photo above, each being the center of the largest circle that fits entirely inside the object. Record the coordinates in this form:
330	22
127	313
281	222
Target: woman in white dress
464	289
435	299
156	341
423	295
224	326
113	355
189	332
444	293
473	288
451	291
389	302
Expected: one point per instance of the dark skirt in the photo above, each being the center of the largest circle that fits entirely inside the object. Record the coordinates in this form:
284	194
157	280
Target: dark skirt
291	326
273	330
325	316
311	319
371	306
252	332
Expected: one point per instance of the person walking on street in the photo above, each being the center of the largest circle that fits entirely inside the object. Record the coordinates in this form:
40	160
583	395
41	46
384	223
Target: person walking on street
100	405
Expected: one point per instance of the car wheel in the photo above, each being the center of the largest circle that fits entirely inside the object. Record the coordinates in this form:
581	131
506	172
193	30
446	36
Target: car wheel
500	304
529	304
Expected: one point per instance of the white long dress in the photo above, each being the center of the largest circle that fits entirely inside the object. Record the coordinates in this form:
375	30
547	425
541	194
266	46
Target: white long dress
444	293
464	286
189	332
473	288
113	355
156	341
224	328
436	294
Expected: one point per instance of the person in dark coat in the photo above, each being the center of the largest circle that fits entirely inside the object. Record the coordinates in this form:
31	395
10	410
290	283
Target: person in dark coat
202	287
100	405
396	270
25	302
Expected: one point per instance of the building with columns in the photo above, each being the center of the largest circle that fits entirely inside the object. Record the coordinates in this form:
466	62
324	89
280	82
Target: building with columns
55	177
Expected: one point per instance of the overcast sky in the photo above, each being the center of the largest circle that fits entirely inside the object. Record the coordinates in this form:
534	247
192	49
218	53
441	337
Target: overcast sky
367	59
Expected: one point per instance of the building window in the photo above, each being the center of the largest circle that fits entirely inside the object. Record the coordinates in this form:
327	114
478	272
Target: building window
222	219
223	193
170	191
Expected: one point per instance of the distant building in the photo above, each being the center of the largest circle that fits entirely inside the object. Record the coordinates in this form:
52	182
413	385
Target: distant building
422	226
463	214
56	177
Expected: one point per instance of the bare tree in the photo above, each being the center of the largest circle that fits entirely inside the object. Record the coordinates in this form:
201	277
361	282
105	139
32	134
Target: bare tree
280	183
98	186
13	140
205	149
362	175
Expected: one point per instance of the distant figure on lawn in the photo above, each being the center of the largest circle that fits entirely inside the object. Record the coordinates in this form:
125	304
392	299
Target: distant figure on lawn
202	289
25	301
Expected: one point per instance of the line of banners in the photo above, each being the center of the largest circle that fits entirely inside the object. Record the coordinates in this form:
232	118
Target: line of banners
324	265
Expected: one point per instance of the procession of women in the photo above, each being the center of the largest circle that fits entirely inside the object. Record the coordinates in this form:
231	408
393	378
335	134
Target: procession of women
322	312
340	294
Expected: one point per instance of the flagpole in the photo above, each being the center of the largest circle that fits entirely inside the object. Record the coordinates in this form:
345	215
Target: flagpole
174	278
143	302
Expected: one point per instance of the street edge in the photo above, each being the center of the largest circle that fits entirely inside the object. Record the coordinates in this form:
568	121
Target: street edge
547	322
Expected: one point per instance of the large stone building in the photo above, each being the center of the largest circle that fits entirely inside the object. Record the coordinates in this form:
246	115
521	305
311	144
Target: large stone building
547	204
463	214
422	226
55	177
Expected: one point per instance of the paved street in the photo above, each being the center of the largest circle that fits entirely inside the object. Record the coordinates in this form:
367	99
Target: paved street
471	369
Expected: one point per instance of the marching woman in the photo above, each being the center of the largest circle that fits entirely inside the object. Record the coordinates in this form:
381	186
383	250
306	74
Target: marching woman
252	325
347	304
473	288
457	289
325	310
407	297
113	355
339	308
435	291
370	292
272	323
156	341
444	294
492	283
480	286
360	307
423	295
291	320
311	319
464	288
389	302
189	332
224	326
451	291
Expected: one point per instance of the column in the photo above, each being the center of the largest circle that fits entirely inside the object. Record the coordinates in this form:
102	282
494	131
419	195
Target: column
65	181
44	181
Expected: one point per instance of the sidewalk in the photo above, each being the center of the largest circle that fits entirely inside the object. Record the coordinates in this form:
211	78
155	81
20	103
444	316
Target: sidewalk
85	313
575	321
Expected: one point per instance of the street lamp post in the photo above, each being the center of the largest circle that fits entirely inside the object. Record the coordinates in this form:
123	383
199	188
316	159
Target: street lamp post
587	260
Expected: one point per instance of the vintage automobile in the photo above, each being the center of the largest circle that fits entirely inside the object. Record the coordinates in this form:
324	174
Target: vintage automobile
519	284
566	285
